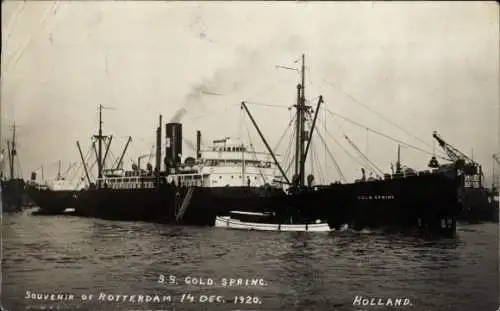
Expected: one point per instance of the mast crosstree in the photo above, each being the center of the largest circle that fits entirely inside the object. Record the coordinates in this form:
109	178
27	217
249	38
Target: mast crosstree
100	139
11	155
302	135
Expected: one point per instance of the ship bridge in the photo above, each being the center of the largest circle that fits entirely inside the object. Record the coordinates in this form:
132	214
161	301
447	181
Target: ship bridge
230	162
228	144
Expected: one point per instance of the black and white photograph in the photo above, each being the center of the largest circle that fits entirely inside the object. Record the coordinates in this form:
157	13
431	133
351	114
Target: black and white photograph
250	155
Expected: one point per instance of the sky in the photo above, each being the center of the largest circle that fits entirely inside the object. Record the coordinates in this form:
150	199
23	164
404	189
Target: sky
421	66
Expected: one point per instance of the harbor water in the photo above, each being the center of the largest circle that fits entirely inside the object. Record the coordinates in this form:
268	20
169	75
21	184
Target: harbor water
72	263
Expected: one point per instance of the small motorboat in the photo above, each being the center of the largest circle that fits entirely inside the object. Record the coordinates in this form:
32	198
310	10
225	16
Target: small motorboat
264	222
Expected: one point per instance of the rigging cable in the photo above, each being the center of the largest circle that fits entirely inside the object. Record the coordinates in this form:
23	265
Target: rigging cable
286	156
314	165
289	151
75	169
345	150
284	133
337	166
339	170
71	165
90	170
19	169
83	165
384	135
341	147
78	167
266	105
91	174
374	111
323	177
371	167
115	162
253	152
86	158
363	155
315	160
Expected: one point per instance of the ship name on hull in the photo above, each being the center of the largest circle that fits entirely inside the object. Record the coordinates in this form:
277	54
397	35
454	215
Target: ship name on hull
376	197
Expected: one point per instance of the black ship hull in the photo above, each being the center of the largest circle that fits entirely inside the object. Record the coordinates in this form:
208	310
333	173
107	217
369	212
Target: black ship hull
173	204
14	196
427	201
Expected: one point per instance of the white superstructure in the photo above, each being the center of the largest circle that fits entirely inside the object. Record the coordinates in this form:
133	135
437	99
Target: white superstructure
226	162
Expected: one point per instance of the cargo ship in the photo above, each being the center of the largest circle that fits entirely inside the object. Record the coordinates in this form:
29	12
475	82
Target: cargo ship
230	176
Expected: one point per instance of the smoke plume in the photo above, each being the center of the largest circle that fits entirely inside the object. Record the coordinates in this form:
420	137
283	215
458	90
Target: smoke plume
245	73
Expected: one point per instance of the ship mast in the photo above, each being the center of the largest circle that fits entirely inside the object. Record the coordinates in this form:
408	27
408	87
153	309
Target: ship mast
298	179
59	170
302	120
301	136
100	139
13	152
398	163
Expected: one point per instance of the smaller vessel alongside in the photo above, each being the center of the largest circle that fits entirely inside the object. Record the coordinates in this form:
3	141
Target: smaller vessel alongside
267	222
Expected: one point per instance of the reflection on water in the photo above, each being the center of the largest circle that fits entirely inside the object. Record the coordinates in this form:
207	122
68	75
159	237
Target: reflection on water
302	271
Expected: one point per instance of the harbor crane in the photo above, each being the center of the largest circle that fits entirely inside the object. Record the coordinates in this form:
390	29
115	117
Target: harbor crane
471	170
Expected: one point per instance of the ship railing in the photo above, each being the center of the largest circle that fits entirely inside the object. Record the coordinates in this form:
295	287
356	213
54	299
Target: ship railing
407	174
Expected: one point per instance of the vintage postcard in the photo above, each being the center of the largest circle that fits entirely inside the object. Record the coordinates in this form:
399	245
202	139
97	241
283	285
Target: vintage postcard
244	155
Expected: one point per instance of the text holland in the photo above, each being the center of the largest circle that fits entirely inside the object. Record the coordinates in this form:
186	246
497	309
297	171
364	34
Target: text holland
368	301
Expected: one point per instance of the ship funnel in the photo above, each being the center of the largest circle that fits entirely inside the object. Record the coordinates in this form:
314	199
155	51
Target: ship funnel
173	149
198	144
158	149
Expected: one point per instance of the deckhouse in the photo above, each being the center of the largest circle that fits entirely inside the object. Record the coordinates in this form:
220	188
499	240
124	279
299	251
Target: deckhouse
226	162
